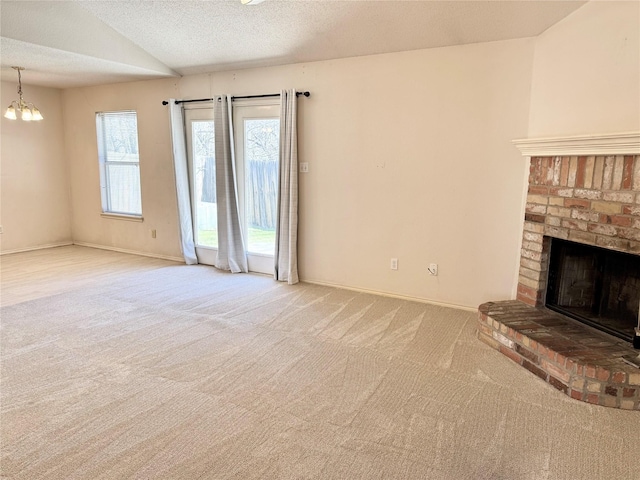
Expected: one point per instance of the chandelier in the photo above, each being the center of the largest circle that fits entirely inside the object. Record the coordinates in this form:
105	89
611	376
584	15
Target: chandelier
28	111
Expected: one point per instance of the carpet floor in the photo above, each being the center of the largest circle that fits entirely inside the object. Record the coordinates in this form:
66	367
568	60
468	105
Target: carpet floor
123	367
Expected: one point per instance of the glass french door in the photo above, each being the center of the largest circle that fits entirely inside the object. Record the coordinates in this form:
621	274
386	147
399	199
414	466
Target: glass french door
257	142
257	146
202	175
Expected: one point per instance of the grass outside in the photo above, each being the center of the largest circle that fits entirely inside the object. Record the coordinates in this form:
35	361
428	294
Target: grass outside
260	241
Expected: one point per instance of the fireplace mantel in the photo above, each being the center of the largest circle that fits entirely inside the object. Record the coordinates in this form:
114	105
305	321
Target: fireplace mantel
605	144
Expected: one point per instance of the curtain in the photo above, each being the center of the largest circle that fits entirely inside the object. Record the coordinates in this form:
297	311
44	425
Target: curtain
286	252
182	182
231	250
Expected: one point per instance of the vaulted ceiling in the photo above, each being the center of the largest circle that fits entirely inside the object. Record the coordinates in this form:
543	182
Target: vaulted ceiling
73	43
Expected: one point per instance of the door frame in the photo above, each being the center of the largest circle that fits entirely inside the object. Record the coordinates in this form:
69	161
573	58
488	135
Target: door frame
248	109
205	254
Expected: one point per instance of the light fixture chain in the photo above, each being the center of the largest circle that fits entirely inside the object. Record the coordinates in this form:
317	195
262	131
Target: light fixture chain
19	82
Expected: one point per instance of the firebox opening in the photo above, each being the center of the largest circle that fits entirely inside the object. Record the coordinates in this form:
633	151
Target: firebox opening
597	286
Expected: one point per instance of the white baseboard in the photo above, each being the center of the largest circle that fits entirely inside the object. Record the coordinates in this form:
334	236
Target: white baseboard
393	295
131	252
37	247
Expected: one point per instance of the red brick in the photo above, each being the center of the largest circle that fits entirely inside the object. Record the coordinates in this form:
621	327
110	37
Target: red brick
619	377
553	381
527	292
511	354
593	398
542	350
527	300
556	371
611	391
619	220
627	173
576	394
577	203
532	217
533	369
582	162
561	359
538	190
564	172
602	374
528	354
590	371
628	392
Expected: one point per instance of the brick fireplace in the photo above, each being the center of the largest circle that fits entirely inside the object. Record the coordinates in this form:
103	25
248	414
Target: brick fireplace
584	190
594	200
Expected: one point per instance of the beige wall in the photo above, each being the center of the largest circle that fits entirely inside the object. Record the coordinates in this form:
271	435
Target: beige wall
409	154
586	75
156	169
34	200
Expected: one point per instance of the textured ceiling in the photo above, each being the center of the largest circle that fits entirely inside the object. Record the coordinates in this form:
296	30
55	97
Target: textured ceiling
76	43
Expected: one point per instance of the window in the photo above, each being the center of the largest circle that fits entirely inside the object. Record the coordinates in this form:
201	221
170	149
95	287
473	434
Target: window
119	162
205	208
261	148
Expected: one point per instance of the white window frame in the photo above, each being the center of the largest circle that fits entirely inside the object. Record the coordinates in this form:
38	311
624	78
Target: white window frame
105	191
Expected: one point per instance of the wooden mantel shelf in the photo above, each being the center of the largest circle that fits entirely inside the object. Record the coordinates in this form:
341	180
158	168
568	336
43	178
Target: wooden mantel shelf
605	144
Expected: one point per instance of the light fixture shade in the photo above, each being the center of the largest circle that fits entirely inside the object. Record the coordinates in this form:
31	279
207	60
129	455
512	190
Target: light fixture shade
251	2
35	114
26	114
10	113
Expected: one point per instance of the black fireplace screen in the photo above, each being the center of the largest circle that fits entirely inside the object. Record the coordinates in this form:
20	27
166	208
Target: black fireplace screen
597	286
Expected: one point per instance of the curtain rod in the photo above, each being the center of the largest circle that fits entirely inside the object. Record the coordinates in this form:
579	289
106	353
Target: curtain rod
306	94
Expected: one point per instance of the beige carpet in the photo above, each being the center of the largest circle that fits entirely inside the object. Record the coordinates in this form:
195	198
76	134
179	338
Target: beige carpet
148	369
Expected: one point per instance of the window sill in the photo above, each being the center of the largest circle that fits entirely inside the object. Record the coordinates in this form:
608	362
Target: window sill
122	216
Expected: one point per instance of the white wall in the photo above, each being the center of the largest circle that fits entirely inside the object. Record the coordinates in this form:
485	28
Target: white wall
34	200
586	75
410	156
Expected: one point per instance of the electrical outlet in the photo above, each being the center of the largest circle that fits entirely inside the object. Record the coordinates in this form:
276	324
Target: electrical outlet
433	269
394	264
304	167
153	233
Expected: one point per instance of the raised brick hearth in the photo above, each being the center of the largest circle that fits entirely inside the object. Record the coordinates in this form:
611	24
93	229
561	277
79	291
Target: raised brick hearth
577	360
592	198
